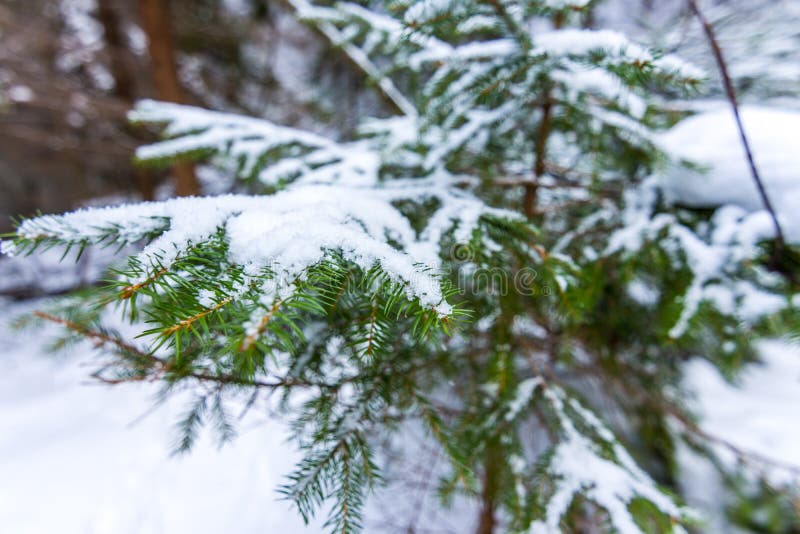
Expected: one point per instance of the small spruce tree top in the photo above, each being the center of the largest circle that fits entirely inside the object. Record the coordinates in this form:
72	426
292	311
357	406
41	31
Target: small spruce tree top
493	258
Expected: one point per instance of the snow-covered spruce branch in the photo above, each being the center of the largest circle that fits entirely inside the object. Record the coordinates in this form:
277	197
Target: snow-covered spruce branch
327	20
593	464
584	461
337	280
284	234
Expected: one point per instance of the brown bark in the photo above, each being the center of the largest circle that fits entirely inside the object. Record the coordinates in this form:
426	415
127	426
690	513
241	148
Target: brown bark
121	62
540	144
156	24
117	51
540	153
487	520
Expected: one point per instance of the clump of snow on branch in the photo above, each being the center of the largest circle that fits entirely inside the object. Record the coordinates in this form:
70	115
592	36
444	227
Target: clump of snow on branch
614	47
286	233
720	179
246	140
580	468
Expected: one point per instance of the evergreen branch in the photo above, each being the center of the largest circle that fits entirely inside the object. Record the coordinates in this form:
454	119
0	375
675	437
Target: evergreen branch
186	323
100	337
129	290
164	366
262	325
359	58
519	33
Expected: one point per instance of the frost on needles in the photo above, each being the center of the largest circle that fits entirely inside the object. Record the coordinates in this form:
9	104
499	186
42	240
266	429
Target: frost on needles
496	261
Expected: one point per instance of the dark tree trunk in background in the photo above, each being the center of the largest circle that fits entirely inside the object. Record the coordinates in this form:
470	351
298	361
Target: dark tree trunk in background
117	51
487	520
156	24
122	64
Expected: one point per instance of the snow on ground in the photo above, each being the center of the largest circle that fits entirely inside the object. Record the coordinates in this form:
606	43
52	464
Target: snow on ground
45	273
78	457
711	140
97	459
759	412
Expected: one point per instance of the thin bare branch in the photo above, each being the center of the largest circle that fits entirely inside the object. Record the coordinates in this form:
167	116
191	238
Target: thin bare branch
731	95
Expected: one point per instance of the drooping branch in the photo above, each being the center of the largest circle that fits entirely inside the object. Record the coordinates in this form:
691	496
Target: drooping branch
390	93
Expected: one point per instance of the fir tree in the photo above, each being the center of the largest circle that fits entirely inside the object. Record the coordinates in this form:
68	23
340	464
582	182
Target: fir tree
495	259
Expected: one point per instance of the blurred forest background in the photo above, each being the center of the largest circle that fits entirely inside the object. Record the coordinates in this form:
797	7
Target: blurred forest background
70	69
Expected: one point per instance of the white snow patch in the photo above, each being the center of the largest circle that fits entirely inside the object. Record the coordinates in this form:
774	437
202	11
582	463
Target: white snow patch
101	467
711	140
20	93
759	413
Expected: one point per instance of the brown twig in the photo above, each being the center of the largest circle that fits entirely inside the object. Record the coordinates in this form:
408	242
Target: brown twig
540	149
161	366
128	291
100	337
186	323
631	390
262	325
731	94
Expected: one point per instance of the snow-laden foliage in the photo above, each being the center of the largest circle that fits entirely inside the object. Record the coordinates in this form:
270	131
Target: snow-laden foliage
282	234
601	471
523	181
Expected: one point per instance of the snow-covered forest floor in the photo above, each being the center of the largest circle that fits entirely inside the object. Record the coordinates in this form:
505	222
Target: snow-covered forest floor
91	458
98	457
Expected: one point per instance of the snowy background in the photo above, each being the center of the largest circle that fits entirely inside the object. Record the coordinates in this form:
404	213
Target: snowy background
80	457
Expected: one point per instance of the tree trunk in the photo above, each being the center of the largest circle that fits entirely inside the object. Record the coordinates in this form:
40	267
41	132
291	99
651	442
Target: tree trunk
117	51
122	64
156	24
487	520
